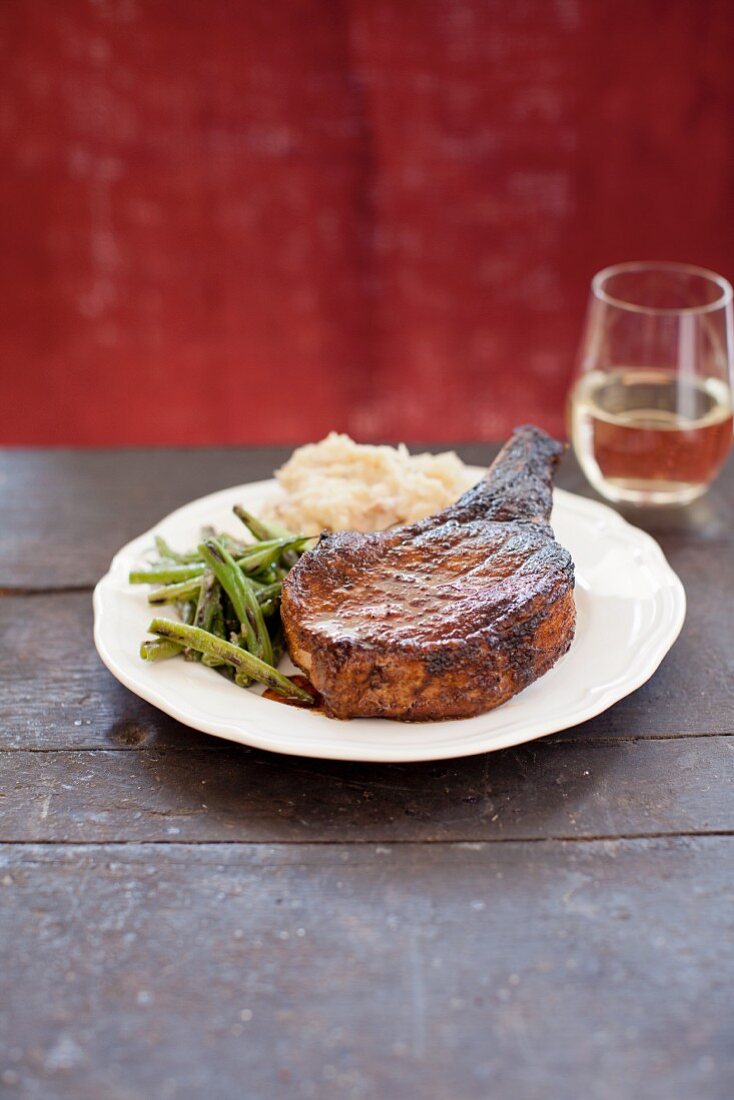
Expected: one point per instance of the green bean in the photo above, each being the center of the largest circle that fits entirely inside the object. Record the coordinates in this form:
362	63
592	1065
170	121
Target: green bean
217	624
165	551
166	574
160	649
187	610
266	576
269	608
218	629
261	530
223	592
206	605
235	546
253	559
273	573
243	597
205	609
263	554
189	590
174	593
268	592
238	658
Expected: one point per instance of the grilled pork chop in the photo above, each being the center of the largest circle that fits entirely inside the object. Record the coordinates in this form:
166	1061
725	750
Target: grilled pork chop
445	618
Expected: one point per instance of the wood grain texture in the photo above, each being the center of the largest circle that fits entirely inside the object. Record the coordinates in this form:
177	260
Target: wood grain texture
66	513
454	972
539	791
182	918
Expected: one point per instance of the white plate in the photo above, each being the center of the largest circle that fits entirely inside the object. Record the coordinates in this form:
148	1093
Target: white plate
630	603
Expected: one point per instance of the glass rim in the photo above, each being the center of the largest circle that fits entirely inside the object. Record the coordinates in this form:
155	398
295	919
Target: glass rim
724	299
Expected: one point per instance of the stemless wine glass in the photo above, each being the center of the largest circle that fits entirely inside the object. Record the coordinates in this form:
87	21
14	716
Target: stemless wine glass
651	408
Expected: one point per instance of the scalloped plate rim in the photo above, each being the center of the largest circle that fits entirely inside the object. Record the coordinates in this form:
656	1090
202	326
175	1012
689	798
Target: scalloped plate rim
300	740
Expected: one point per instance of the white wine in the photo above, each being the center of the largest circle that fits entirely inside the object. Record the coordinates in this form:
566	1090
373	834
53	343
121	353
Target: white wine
650	436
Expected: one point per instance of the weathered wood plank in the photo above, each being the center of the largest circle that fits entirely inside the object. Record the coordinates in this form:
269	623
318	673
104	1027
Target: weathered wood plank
551	970
66	512
595	969
66	698
564	790
78	704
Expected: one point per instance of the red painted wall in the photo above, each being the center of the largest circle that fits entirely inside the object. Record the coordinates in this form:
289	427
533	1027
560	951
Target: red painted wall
245	221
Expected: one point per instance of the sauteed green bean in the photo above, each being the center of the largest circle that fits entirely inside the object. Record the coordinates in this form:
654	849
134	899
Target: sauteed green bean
227	592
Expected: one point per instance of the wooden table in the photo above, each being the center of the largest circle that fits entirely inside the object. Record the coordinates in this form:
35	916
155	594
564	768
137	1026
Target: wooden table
184	918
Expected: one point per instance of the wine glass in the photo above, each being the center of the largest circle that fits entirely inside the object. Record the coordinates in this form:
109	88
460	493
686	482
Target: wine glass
651	408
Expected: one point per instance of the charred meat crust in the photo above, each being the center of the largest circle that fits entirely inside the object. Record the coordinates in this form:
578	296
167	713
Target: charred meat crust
444	618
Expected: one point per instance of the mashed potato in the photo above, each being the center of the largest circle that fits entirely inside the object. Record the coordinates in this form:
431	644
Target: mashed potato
342	485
